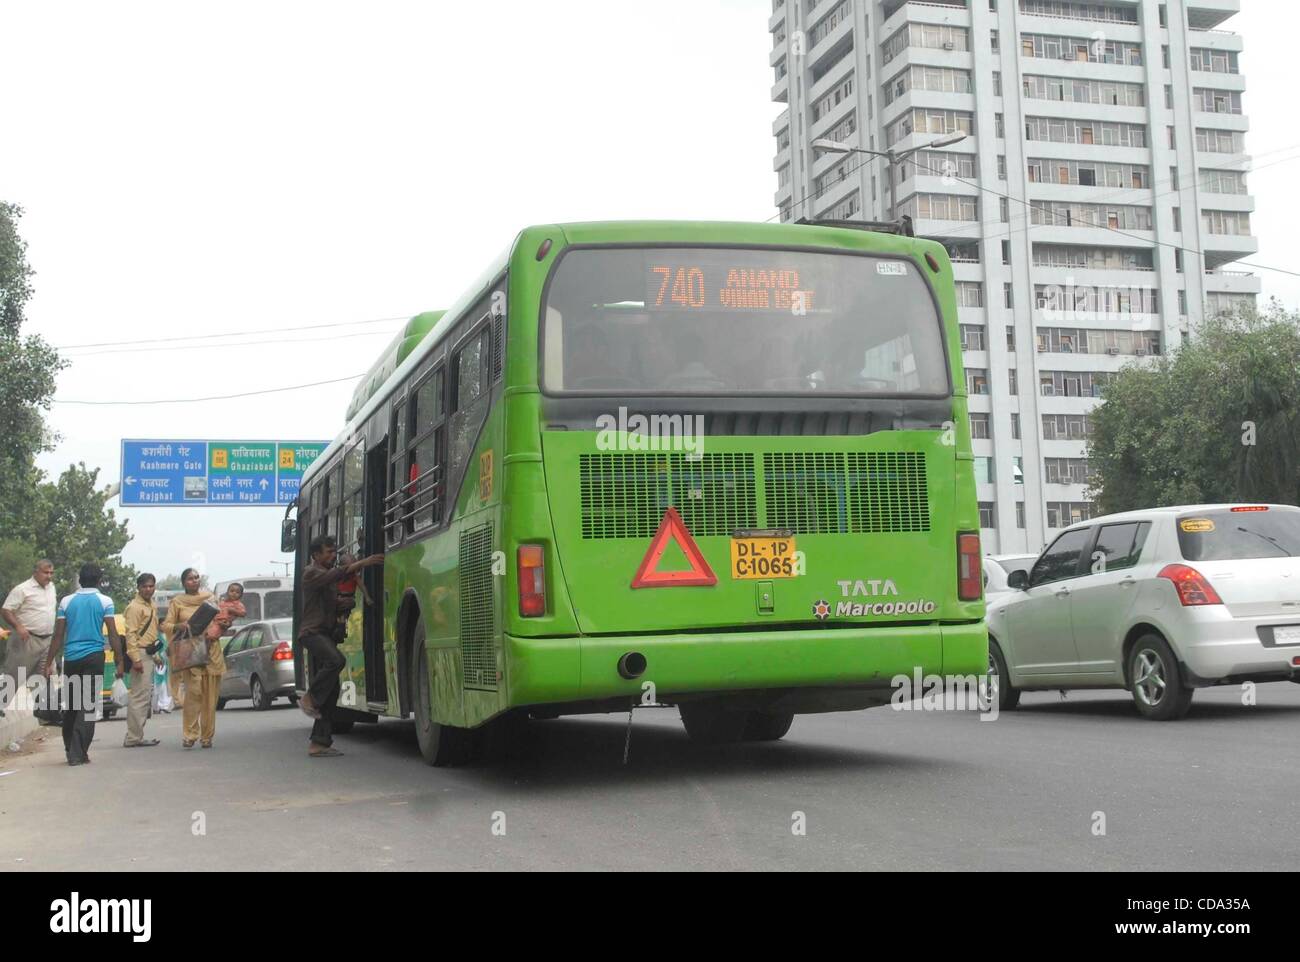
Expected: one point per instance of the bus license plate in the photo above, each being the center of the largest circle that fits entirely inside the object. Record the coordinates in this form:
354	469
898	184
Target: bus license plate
753	558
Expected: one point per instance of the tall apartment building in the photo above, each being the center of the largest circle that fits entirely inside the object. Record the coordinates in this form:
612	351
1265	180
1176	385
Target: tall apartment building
1114	128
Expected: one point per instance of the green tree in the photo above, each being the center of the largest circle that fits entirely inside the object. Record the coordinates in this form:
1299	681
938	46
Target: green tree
27	381
1217	421
77	528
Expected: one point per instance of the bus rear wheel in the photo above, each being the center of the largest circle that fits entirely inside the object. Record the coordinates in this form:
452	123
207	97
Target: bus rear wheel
441	745
708	723
762	727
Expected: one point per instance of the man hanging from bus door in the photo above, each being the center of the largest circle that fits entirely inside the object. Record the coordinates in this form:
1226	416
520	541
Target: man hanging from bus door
317	633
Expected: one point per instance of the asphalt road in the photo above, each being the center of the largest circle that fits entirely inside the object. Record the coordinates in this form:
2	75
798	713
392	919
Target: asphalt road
878	790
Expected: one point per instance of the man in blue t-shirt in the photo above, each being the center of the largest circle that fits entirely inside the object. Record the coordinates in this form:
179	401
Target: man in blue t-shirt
79	634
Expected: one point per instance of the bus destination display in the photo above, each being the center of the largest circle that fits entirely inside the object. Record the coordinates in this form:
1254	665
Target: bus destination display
678	286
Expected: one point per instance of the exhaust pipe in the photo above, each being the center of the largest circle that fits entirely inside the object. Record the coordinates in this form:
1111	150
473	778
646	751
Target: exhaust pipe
631	665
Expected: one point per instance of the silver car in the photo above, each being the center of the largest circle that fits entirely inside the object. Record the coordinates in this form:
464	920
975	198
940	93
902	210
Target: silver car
259	664
1159	602
998	567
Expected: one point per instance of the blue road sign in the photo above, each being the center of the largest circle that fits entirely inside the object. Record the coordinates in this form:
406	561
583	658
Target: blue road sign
179	473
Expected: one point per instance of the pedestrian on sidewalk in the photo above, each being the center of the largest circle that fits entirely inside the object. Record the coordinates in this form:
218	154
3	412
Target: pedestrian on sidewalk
29	610
79	635
198	701
142	647
318	634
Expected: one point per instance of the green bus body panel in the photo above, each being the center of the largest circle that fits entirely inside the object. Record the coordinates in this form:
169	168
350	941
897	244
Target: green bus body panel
695	639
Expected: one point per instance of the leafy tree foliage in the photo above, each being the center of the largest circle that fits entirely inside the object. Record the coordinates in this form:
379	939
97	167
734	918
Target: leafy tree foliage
1217	421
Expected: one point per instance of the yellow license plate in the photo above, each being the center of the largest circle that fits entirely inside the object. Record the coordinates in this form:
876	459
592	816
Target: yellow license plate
754	558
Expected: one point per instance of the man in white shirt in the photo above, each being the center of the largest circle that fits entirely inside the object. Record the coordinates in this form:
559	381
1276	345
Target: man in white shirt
29	611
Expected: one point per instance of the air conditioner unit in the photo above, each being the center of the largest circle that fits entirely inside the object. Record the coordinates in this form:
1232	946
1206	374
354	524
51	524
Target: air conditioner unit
949	46
1140	352
1112	350
1042	348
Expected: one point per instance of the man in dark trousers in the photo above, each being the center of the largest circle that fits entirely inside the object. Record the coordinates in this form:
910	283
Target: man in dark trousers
316	632
79	637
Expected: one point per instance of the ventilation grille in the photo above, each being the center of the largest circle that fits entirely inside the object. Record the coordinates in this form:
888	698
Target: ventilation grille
888	492
498	341
626	495
477	622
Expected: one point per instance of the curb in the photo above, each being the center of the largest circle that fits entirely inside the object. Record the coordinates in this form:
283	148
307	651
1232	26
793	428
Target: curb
19	721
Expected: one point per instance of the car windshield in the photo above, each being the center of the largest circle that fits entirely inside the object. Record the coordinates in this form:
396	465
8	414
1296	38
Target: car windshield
719	321
1227	534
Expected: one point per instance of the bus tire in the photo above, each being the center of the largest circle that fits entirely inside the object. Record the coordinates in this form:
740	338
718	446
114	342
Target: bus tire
1155	680
708	723
440	745
1008	694
764	727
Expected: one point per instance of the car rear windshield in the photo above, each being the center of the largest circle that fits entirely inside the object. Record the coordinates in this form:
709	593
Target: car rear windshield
740	322
1227	535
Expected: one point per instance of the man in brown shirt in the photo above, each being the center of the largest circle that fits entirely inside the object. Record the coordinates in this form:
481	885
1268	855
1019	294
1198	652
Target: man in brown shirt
320	600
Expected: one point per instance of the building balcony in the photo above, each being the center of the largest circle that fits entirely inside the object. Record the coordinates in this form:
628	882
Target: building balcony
1232	282
781	90
899	12
1222	249
1208	14
1102	194
1071	26
1221	121
1235	82
1056	150
1072	69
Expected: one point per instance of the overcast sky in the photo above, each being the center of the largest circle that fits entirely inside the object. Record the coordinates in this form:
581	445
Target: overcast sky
200	168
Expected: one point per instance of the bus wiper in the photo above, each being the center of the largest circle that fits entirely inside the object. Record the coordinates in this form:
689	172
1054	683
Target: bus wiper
1273	541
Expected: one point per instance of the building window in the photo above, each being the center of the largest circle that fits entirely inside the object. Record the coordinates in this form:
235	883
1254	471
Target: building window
979	426
1169	96
1012	384
1006	252
1015	429
987	515
977	380
997	82
1011	337
993	40
999	127
1020	514
972	337
1062	514
983	470
1004	208
970	294
1008	300
1182	303
1002	166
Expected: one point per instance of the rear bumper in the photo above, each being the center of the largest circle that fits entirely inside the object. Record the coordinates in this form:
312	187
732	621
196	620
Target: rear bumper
584	668
1215	646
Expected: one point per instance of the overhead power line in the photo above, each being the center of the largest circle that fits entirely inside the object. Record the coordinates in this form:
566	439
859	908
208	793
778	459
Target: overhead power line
217	397
209	337
217	346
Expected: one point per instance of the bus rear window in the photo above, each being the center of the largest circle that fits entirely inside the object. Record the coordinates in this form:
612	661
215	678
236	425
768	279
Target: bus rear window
715	321
1227	535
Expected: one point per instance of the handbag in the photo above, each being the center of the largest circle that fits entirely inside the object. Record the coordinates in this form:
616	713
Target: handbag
188	651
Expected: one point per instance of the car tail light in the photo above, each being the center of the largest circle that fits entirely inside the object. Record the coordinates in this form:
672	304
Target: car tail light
1191	585
970	573
1253	507
283	652
532	580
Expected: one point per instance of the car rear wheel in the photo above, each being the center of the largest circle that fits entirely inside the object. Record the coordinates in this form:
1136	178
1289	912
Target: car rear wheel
441	745
763	727
257	691
710	724
1156	681
998	679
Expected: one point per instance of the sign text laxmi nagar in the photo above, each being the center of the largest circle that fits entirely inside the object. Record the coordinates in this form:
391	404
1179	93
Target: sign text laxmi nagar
168	473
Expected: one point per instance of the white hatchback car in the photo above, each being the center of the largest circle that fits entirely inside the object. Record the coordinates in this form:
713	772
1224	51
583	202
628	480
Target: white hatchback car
998	567
1159	602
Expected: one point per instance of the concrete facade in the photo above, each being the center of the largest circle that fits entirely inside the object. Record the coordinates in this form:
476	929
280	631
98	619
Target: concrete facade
1093	212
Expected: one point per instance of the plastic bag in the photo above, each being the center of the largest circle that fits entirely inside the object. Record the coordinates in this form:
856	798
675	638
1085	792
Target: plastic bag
120	694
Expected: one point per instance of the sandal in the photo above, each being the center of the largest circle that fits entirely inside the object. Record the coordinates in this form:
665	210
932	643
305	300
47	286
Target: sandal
205	744
187	744
147	743
325	753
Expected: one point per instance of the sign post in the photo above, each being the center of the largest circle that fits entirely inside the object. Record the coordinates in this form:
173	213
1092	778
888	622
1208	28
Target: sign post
204	473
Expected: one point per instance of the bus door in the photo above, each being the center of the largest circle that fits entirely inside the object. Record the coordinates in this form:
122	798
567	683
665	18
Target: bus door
372	627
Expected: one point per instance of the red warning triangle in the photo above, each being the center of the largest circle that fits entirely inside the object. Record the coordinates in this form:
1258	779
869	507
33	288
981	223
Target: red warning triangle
699	573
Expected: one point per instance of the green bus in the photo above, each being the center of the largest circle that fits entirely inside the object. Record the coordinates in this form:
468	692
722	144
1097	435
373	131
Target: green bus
720	466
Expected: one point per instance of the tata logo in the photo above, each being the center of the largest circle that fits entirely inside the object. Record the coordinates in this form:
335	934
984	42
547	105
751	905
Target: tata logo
870	588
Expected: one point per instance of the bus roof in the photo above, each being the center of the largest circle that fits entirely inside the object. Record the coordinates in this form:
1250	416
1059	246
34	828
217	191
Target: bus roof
403	353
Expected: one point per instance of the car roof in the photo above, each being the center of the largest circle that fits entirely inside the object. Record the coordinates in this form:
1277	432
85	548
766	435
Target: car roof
1148	514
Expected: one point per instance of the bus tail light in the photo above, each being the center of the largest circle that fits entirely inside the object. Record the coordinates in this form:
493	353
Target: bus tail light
970	571
532	580
1191	586
283	652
